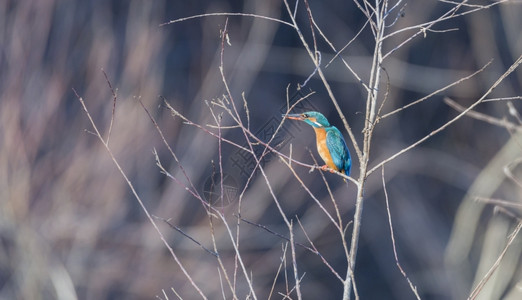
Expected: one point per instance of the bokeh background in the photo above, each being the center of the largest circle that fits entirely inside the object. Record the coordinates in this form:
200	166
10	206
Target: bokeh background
71	229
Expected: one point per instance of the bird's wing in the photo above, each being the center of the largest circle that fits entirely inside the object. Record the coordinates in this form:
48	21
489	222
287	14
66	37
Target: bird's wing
338	150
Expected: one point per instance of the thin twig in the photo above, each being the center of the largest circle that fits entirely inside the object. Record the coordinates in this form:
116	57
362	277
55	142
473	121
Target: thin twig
386	94
399	14
500	202
313	73
221	284
278	270
265	228
310	20
114	97
476	291
392	235
465	4
502	210
514	112
503	99
192	188
185	234
176	293
338	53
317	251
226	15
509	173
332	198
303	185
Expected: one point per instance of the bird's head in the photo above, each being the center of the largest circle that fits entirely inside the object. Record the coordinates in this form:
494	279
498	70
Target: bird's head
313	118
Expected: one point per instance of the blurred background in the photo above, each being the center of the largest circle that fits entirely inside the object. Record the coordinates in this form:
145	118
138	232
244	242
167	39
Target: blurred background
71	229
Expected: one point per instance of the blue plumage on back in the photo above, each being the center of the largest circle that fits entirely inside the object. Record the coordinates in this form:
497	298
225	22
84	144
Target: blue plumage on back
338	150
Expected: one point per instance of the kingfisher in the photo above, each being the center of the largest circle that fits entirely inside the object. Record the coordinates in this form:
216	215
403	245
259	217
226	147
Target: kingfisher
330	142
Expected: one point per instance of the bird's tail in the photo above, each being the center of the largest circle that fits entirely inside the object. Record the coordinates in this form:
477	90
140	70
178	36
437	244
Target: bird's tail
344	172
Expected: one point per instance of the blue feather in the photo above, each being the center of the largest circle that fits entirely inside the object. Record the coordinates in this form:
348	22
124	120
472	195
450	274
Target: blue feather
338	150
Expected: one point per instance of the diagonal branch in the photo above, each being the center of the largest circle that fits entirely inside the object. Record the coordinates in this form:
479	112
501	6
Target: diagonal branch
474	294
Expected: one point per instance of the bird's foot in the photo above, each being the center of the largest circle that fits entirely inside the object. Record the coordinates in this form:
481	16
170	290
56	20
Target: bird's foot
326	168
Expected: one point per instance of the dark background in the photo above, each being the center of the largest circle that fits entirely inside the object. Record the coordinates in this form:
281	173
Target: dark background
70	227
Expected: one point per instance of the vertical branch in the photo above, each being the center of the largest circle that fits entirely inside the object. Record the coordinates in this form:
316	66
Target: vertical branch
371	104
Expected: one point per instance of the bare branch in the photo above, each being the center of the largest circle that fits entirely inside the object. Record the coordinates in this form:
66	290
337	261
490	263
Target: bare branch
114	97
226	15
185	234
500	202
392	235
316	251
509	173
192	188
476	291
503	99
303	185
279	269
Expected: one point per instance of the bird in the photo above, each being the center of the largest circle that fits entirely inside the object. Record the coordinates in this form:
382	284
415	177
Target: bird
330	142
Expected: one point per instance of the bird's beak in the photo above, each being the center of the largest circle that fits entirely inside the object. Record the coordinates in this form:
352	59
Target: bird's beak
294	117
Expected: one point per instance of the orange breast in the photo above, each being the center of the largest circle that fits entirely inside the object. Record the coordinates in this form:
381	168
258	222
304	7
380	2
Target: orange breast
320	135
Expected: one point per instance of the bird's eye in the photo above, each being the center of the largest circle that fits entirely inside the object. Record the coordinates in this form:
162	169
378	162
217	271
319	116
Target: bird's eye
305	115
